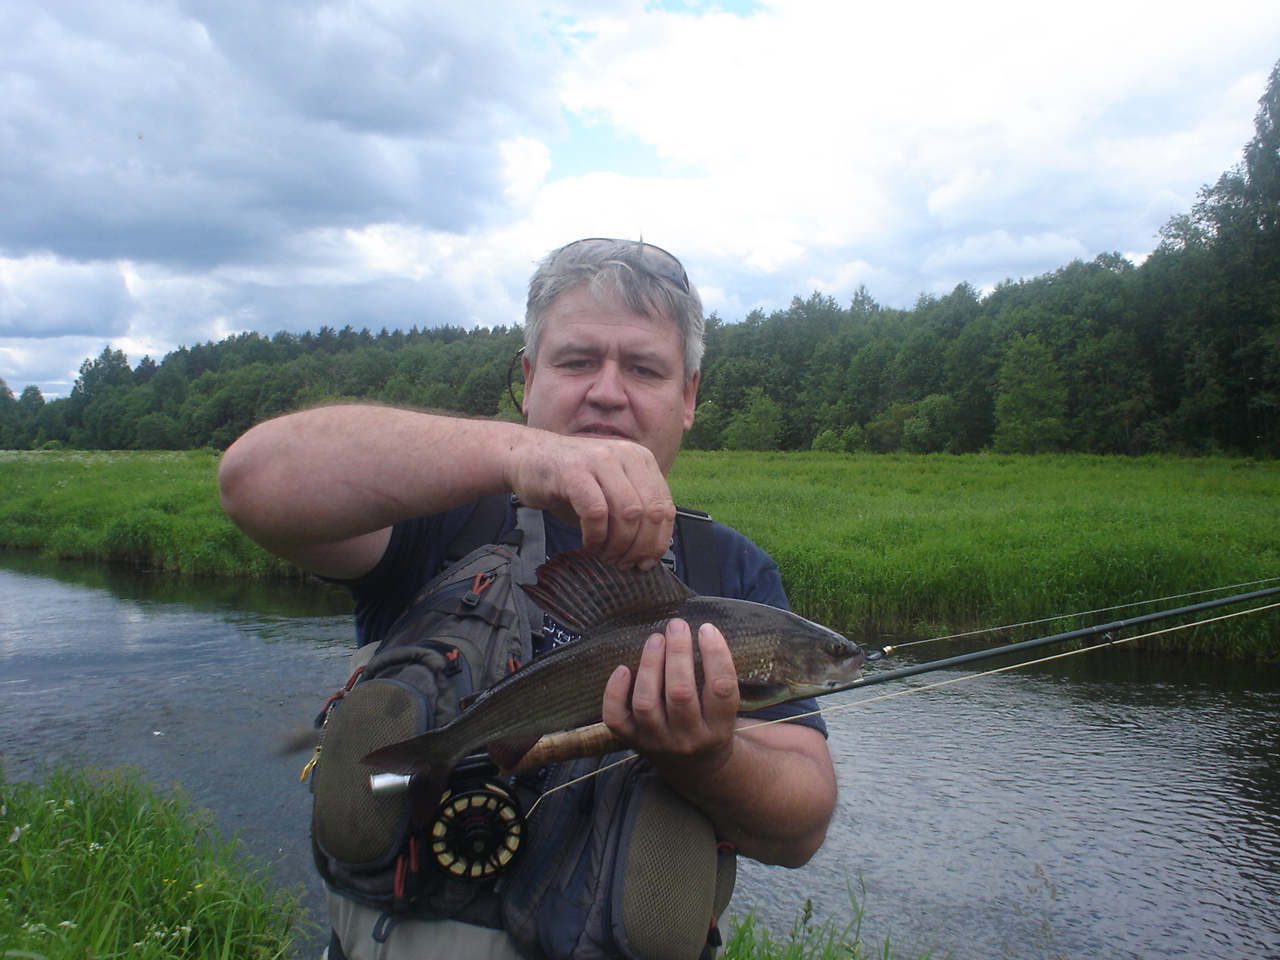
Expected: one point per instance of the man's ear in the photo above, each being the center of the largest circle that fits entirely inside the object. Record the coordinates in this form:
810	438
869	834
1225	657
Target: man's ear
527	369
691	398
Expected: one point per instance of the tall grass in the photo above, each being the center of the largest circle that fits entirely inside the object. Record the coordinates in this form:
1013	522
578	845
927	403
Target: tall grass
98	865
101	866
160	510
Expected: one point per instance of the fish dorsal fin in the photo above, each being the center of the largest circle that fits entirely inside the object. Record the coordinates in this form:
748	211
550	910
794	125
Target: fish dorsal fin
583	593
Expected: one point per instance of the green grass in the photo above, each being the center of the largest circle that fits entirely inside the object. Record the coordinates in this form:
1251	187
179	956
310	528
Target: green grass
808	939
98	865
872	545
155	509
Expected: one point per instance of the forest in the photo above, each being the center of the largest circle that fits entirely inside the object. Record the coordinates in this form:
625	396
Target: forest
1178	354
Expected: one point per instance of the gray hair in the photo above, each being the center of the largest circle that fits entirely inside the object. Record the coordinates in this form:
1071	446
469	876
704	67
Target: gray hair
646	279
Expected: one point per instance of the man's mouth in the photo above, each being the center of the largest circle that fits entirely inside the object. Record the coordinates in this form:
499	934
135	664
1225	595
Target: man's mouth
602	430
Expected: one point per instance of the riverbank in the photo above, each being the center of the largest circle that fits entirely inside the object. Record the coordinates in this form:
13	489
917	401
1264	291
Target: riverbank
874	545
101	864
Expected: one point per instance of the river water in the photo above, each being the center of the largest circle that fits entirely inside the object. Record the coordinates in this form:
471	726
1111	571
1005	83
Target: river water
1109	806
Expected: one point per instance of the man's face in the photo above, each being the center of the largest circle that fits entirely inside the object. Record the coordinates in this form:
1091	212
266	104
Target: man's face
604	371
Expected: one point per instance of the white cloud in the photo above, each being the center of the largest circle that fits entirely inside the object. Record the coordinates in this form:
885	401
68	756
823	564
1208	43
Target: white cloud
848	121
526	163
974	255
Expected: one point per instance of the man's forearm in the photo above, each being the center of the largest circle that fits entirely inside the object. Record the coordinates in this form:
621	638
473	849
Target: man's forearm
333	473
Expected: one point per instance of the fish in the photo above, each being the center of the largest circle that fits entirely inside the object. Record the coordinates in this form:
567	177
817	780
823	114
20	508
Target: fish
778	655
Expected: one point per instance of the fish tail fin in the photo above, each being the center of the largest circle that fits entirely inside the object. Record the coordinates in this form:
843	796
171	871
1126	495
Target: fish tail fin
406	757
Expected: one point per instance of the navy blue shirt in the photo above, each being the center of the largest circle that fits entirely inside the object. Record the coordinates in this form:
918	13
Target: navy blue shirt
417	550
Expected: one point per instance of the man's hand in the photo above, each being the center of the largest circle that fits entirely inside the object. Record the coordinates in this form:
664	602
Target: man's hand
662	714
613	489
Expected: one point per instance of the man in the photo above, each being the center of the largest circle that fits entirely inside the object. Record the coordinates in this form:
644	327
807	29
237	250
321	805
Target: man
373	496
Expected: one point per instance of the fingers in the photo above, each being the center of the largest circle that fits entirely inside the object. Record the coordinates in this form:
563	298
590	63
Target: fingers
720	698
613	489
670	713
624	505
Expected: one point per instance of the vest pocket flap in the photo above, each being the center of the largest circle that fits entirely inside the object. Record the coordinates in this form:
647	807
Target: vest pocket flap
349	822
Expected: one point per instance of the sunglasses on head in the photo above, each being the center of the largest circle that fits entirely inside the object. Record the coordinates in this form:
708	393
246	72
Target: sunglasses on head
657	261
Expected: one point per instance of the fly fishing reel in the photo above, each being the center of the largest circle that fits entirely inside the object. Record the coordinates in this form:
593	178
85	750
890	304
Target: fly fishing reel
477	831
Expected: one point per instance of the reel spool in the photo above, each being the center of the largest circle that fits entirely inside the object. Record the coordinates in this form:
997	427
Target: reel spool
477	832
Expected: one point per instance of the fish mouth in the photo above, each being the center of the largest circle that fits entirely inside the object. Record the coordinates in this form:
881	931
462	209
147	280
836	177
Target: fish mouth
833	682
843	674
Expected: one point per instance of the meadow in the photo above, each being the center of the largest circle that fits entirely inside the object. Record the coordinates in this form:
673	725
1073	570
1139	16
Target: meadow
157	510
876	545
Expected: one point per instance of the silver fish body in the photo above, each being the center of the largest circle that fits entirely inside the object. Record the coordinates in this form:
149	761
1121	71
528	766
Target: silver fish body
778	655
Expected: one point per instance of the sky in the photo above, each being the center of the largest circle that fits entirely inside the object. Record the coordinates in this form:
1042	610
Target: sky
177	171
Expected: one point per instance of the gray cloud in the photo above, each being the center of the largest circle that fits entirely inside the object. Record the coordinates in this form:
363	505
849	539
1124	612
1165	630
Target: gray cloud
205	133
392	303
46	300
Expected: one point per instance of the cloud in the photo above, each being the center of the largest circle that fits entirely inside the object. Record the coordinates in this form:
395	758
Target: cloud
45	362
910	135
207	133
973	256
41	296
176	172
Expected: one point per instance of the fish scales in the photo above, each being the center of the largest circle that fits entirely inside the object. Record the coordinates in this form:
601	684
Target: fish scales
778	656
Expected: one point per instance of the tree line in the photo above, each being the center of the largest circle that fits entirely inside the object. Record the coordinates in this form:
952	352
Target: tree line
1178	354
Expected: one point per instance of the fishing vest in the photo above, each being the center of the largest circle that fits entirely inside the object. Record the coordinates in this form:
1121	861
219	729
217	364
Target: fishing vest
610	862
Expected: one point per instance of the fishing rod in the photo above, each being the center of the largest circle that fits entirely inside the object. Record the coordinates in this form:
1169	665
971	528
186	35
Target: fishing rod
1085	613
883	676
596	739
865	701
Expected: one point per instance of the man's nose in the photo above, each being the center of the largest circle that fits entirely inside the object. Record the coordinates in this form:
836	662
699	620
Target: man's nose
608	388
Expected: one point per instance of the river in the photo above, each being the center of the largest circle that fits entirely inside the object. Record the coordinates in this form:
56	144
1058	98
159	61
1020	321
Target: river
1110	806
